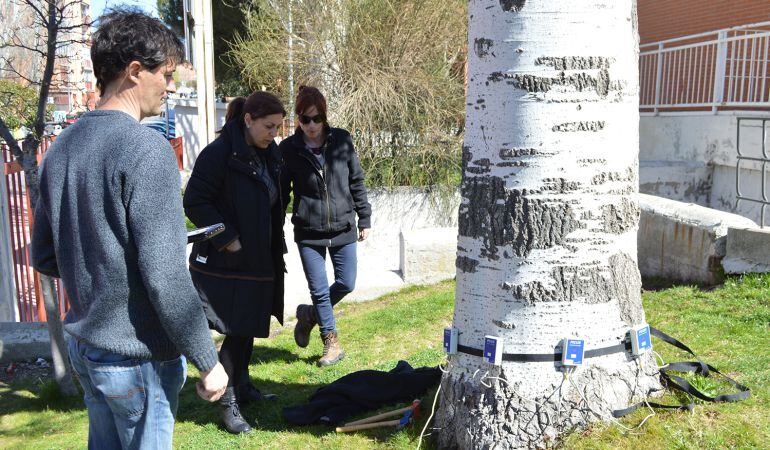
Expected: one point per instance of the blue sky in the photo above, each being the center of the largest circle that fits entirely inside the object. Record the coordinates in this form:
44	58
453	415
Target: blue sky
98	6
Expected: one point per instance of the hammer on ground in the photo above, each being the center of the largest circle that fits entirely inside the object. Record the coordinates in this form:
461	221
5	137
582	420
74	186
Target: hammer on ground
408	414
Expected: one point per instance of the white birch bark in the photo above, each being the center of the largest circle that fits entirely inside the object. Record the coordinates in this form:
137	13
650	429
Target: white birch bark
548	220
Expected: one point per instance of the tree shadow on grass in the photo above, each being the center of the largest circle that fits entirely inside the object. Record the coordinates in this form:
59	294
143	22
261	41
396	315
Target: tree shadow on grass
45	396
266	413
263	354
655	284
42	401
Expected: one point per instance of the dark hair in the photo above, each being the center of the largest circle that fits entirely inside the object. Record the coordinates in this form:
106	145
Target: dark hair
258	104
307	97
125	35
234	107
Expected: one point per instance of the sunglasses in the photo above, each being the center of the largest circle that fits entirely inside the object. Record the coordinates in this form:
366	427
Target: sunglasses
318	118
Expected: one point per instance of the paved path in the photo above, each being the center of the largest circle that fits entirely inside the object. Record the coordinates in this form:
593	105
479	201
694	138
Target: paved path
378	270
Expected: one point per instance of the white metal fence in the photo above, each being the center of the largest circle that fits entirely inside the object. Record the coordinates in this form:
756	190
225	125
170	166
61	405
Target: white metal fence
723	69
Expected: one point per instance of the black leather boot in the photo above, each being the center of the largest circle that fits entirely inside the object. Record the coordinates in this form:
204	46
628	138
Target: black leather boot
231	413
247	393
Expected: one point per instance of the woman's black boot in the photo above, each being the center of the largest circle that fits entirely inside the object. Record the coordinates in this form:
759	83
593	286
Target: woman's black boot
231	413
247	393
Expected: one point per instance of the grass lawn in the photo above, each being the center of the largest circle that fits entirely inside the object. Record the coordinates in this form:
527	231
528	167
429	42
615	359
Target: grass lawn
727	326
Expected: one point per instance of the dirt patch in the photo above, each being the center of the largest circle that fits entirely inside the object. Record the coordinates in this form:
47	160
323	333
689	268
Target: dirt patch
17	371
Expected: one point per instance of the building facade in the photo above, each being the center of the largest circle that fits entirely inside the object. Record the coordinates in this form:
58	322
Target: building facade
73	86
705	103
666	19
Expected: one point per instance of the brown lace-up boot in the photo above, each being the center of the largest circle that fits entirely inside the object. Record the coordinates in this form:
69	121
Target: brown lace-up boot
332	350
306	320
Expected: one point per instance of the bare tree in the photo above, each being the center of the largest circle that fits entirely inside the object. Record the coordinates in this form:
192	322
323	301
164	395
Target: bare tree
49	38
548	222
392	71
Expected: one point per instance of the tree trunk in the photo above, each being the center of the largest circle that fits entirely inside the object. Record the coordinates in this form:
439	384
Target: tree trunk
548	221
61	368
27	158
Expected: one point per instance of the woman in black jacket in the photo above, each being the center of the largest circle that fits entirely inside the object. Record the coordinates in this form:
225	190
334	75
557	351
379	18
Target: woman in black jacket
322	169
239	273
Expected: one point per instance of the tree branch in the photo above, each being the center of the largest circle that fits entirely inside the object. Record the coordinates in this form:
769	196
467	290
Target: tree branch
42	15
61	44
13	144
11	69
66	6
25	47
73	27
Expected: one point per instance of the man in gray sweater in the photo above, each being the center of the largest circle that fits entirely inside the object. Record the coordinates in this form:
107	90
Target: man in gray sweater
110	223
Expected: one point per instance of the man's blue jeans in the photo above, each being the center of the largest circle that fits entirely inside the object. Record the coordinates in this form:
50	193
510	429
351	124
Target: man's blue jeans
131	403
324	296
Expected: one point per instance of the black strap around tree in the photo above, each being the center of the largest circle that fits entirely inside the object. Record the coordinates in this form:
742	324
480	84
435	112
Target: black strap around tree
547	357
680	384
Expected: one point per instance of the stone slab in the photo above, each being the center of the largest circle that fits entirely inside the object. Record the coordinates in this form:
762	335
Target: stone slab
683	241
748	250
428	255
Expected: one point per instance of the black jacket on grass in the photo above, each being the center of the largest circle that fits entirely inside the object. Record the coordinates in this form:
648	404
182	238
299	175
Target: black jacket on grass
326	199
240	290
362	391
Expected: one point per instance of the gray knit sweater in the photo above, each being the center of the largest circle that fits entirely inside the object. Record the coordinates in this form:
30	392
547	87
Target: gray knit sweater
110	223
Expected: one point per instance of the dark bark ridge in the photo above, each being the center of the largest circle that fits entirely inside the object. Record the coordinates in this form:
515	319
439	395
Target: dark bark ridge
619	218
482	47
500	217
512	5
589	284
466	264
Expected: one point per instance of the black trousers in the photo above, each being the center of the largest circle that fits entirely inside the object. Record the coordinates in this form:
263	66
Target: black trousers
235	355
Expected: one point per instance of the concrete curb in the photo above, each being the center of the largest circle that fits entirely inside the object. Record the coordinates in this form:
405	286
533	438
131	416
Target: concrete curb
24	341
748	250
683	241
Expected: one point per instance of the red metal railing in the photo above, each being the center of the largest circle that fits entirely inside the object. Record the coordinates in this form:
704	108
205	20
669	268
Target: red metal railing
717	70
28	293
26	279
177	144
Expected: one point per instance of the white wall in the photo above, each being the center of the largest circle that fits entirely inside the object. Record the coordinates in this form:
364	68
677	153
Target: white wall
186	114
693	158
379	259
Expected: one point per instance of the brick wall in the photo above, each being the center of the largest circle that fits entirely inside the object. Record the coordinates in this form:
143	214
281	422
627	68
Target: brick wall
665	19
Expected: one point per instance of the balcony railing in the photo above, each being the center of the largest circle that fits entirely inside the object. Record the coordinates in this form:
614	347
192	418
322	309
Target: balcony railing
719	70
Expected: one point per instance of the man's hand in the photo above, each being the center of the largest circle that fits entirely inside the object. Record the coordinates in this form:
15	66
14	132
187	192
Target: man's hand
234	246
363	233
212	384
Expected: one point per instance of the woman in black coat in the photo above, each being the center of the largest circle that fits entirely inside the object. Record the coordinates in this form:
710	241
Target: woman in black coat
239	273
322	169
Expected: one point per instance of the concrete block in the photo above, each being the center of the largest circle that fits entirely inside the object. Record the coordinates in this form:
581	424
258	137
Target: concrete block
748	250
23	341
428	255
683	241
